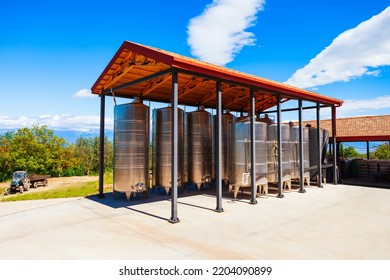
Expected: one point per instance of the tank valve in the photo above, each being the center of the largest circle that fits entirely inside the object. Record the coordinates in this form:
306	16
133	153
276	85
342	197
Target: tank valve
139	186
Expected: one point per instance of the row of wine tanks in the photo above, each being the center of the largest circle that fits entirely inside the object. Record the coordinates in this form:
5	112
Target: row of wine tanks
196	148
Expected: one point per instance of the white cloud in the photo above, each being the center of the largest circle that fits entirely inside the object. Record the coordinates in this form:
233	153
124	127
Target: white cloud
56	122
219	32
353	107
84	93
354	53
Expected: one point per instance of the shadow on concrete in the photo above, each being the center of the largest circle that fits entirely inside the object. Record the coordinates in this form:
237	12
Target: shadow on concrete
197	206
119	200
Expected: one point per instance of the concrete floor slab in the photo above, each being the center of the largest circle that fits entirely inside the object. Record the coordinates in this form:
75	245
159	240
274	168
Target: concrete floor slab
335	222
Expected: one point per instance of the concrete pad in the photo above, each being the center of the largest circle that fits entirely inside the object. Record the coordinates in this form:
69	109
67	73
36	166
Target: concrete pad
335	222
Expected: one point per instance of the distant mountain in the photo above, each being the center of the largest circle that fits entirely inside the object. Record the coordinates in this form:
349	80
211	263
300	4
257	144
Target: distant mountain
71	136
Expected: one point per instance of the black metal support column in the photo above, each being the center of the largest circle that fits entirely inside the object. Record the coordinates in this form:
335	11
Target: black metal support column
335	153
175	94
280	162
368	149
319	150
253	149
301	166
219	147
101	145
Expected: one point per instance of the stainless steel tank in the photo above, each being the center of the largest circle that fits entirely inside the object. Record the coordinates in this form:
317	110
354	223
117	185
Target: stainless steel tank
162	147
227	119
131	148
272	151
241	152
294	150
198	147
313	148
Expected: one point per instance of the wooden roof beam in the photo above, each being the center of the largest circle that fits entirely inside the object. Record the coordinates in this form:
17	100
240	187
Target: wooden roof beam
131	60
155	83
244	94
108	83
269	102
264	102
191	85
212	94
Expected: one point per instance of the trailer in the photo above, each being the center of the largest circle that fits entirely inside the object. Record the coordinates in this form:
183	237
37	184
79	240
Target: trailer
37	180
22	181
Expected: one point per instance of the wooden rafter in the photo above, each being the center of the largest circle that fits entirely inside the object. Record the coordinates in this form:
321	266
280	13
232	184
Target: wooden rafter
258	97
266	103
212	94
191	85
111	77
131	60
244	94
155	83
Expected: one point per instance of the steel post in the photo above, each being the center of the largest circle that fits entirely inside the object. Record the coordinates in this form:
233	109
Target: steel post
301	151
219	147
101	145
319	162
335	152
253	148
175	94
280	162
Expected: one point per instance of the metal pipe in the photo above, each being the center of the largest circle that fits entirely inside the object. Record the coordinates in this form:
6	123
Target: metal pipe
280	162
294	109
219	147
101	145
335	153
368	149
319	163
175	93
301	165
253	148
141	80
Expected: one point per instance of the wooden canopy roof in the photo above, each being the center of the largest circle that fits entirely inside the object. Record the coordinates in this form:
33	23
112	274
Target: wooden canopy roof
141	71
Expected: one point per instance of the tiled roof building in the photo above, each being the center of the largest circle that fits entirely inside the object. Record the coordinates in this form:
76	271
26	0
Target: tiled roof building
367	128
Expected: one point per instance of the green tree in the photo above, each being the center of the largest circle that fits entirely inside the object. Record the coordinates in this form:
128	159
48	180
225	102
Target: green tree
5	156
39	150
350	152
88	154
108	155
382	152
36	150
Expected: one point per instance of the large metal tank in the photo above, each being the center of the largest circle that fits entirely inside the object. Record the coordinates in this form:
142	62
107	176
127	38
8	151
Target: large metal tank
272	151
313	148
162	147
294	151
131	148
198	147
241	152
227	119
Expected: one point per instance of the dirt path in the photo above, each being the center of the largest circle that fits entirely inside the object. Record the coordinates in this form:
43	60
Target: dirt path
59	182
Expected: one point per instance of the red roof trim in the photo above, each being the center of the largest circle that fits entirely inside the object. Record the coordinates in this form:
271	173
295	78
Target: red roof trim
203	68
148	52
255	82
361	138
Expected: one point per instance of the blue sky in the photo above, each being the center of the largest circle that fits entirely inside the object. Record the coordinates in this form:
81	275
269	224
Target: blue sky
51	52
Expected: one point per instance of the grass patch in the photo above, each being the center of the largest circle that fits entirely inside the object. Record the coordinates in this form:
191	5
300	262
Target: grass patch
74	190
2	190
